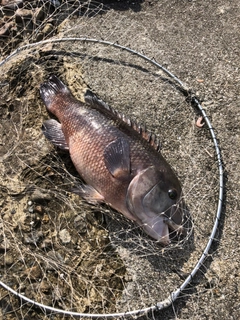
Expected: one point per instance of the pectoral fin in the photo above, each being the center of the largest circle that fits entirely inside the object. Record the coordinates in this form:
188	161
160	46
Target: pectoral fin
117	158
52	130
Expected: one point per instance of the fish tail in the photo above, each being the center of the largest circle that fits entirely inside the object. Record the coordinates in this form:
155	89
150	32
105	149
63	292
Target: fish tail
51	88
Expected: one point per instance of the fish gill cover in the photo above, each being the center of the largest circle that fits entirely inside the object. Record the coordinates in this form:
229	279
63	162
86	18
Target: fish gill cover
55	248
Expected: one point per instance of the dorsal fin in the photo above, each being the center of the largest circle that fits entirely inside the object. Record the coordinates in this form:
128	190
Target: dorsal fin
93	100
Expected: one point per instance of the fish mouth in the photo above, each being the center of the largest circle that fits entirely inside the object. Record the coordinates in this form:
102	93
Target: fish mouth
175	220
179	229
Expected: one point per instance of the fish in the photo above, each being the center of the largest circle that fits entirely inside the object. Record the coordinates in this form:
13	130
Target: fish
118	160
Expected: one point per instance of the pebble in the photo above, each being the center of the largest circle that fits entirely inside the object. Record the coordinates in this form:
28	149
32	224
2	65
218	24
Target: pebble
53	257
4	245
46	244
33	273
45	218
45	287
39	14
6	305
38	209
30	210
12	3
8	10
40	196
5	29
64	236
8	259
47	29
34	238
23	15
80	224
55	3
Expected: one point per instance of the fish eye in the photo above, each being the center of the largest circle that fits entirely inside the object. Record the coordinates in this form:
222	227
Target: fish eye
172	193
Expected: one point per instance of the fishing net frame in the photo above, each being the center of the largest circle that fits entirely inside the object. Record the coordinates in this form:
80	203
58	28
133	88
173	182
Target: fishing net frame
197	106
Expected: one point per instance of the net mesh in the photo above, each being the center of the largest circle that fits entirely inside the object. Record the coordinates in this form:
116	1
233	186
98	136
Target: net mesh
55	248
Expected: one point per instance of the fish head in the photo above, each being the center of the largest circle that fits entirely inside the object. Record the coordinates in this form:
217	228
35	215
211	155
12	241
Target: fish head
154	198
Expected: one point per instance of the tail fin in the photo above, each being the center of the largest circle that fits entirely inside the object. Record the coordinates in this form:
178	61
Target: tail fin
51	88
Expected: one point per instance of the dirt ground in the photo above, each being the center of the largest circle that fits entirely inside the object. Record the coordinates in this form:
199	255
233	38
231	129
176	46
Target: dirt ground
63	252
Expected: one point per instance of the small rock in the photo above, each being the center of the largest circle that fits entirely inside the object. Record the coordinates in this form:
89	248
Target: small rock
48	29
8	259
39	15
30	210
23	15
34	238
38	209
8	10
47	244
80	224
40	196
13	211
55	3
5	29
33	273
39	37
64	235
45	218
6	305
4	245
45	287
53	259
57	293
13	3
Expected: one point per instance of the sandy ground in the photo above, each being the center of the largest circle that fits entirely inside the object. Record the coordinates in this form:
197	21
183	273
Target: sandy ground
199	42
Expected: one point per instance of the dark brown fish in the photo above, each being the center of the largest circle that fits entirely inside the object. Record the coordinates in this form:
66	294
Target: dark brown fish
117	159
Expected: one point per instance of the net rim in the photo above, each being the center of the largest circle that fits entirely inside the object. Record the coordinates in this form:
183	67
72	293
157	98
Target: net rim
194	102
